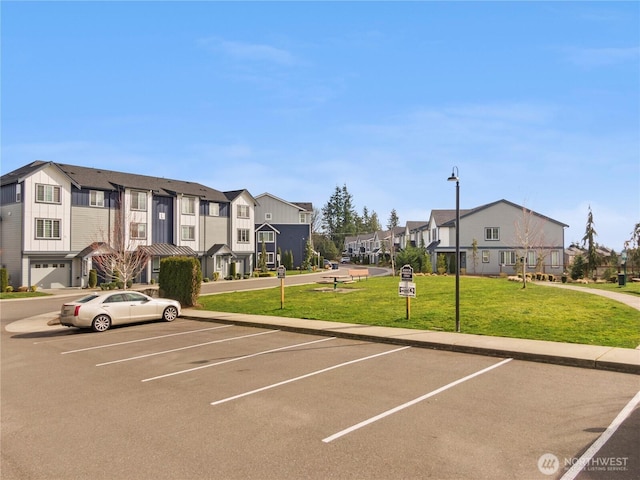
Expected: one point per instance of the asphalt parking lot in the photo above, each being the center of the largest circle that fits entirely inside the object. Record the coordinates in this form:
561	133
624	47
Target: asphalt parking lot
196	400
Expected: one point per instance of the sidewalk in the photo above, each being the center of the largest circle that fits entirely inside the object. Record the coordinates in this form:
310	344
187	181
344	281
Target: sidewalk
578	355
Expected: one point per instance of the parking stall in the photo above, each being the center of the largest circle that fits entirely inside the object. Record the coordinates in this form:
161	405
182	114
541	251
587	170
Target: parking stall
192	399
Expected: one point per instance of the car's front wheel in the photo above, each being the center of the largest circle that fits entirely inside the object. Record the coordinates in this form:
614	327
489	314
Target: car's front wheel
101	323
170	314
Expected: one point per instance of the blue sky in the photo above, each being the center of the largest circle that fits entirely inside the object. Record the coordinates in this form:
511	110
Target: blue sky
534	102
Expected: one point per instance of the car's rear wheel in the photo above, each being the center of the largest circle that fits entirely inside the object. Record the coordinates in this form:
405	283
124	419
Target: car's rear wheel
101	323
170	314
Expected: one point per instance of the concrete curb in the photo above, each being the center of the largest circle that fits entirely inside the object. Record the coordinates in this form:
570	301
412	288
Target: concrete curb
585	356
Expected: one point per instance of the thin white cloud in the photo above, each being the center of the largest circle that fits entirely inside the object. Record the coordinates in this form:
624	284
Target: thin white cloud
244	51
601	57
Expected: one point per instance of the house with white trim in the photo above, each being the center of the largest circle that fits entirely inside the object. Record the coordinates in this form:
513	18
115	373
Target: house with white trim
55	218
282	226
496	237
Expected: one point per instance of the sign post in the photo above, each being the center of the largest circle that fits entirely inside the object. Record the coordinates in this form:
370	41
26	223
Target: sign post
407	288
282	272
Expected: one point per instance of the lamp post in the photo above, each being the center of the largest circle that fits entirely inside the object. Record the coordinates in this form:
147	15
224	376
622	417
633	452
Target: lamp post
455	178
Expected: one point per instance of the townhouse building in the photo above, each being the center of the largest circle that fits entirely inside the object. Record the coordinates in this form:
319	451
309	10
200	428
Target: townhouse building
371	248
55	219
494	238
281	226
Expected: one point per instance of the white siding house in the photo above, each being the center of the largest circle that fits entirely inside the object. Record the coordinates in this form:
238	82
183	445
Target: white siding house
57	218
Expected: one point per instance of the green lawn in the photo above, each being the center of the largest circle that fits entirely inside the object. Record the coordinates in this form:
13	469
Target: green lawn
487	307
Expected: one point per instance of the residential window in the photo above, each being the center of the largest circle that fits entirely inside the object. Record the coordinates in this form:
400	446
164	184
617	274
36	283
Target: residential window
268	217
508	257
243	235
486	256
96	198
47	228
139	200
243	211
188	205
138	231
492	233
270	257
47	194
303	218
555	258
155	264
18	193
266	236
188	232
531	258
214	209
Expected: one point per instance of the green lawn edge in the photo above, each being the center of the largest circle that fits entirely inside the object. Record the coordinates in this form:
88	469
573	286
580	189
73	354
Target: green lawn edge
494	307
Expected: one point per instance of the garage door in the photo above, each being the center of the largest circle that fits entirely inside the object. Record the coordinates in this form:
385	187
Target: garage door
50	274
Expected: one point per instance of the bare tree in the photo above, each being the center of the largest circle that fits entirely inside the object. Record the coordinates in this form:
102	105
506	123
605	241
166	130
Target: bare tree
529	235
119	254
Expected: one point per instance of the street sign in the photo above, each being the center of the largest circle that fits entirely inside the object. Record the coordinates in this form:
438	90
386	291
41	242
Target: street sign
406	273
282	272
407	289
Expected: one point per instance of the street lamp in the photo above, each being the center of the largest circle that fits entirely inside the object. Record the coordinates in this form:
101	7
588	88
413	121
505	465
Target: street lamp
454	178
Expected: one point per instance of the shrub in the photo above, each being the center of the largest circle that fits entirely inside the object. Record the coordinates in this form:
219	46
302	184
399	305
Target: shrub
93	278
181	279
23	289
8	289
205	279
216	276
33	288
4	279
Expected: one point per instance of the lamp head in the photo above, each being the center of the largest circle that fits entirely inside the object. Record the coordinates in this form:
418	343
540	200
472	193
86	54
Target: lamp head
453	177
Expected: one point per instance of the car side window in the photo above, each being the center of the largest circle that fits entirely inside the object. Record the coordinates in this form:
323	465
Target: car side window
135	297
118	297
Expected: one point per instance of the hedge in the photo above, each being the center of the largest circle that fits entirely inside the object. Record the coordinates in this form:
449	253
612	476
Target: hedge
180	278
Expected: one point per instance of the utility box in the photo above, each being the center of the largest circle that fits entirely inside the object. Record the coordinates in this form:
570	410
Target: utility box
622	279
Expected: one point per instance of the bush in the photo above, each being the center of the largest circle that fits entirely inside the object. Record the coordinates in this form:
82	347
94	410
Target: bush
93	278
4	279
206	280
8	289
216	276
181	279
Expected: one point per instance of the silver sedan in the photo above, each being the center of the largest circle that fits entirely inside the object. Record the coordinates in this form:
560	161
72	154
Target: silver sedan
99	311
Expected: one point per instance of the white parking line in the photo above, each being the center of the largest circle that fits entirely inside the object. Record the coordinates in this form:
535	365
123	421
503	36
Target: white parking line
587	456
144	339
185	348
317	372
236	359
412	402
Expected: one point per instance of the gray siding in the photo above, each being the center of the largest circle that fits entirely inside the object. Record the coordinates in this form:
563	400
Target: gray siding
280	212
88	225
11	241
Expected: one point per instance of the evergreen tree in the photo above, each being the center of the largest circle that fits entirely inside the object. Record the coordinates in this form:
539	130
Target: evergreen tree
393	221
308	255
262	262
588	241
339	216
